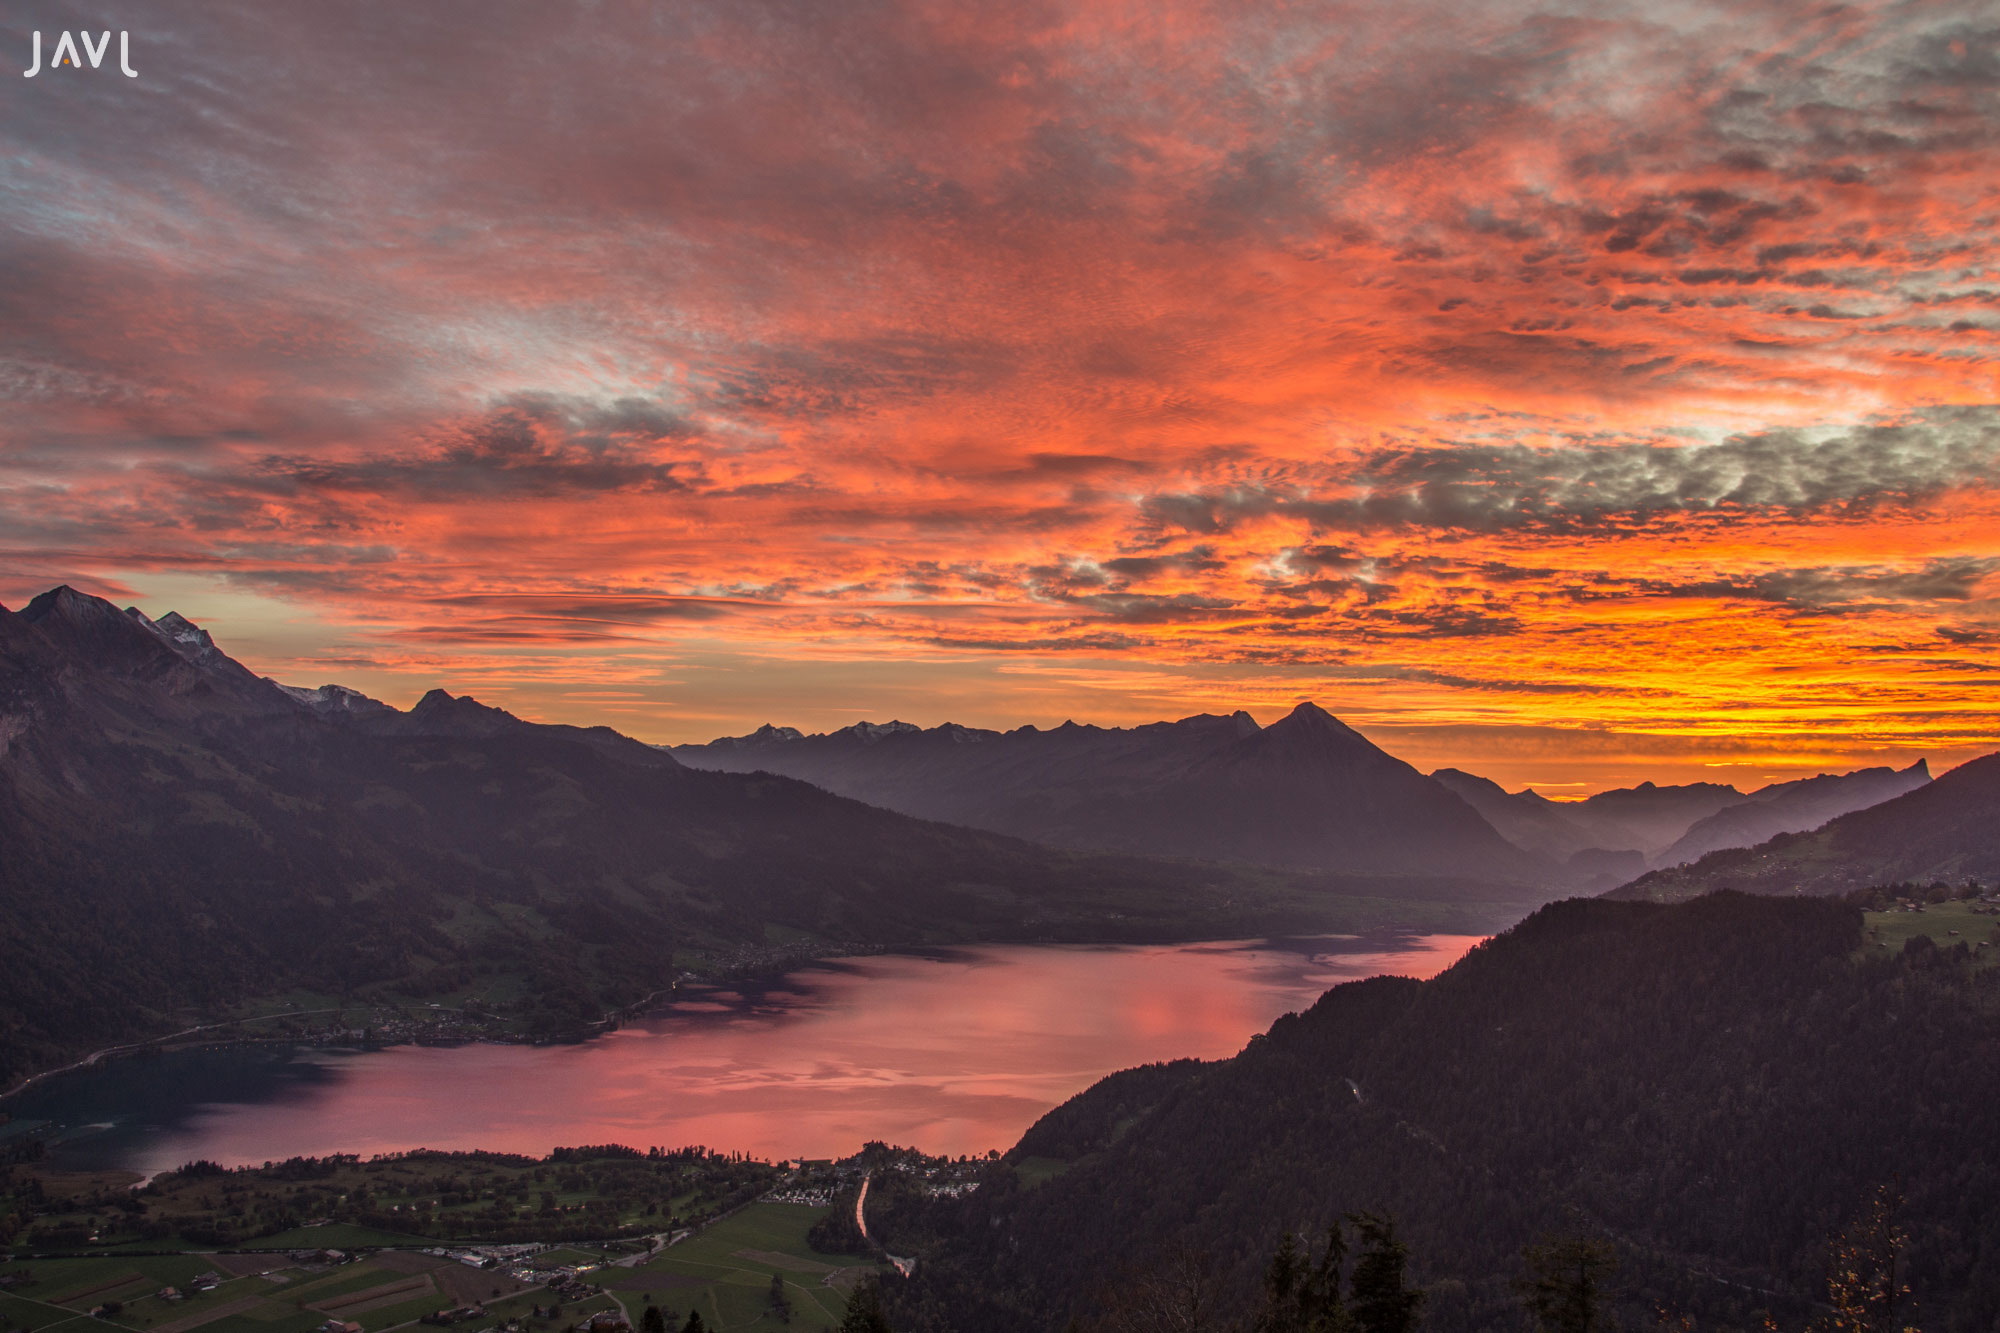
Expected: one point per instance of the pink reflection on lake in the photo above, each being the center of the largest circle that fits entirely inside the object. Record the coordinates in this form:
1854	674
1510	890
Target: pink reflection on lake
953	1054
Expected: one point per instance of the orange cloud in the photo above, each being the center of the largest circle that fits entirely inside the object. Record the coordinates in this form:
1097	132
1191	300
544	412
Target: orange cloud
1617	386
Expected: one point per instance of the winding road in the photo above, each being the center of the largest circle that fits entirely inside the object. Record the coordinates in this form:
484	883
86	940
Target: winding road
903	1266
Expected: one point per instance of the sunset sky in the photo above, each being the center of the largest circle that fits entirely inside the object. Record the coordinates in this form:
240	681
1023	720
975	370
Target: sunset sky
1575	394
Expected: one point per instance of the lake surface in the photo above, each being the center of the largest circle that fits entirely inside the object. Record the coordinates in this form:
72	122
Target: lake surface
954	1053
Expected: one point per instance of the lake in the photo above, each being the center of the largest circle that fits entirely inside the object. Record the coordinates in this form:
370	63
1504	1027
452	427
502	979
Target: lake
954	1052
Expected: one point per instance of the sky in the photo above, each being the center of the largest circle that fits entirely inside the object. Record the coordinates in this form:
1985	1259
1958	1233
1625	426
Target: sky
1575	394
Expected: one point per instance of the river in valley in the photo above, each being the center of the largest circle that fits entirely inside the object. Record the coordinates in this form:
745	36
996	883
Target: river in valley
954	1052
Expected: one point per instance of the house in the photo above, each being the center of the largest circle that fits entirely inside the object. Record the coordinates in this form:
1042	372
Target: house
340	1326
606	1321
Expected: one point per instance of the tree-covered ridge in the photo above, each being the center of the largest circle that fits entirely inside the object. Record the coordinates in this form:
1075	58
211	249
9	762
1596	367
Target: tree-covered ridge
1713	1089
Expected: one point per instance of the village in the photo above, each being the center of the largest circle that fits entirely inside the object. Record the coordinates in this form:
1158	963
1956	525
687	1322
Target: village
587	1240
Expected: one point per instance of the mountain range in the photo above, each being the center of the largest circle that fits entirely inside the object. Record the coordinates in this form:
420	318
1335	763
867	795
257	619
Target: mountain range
1639	828
181	834
1306	792
178	835
1942	832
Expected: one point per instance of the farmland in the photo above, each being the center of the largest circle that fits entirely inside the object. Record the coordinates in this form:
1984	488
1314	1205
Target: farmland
343	1202
724	1270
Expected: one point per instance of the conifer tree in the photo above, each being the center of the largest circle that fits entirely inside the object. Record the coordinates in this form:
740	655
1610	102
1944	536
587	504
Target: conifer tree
1381	1298
1564	1289
864	1309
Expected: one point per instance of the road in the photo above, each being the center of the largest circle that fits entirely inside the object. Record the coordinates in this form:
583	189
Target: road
903	1266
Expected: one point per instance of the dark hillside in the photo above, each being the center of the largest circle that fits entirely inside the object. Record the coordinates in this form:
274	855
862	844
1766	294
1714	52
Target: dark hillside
1714	1087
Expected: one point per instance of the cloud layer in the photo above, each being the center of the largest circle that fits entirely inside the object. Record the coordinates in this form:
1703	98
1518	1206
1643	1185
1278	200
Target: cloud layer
1597	369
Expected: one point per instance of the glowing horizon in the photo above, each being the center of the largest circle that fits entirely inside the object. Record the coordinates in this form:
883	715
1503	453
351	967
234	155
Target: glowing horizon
1574	395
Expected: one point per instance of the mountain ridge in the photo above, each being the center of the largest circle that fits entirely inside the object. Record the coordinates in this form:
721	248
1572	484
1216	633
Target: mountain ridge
1306	792
1942	830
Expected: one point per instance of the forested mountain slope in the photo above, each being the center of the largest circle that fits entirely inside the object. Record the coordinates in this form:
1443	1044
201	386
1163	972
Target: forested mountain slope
1716	1088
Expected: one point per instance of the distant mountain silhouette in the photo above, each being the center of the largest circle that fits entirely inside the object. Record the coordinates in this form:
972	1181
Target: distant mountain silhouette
1944	830
1308	791
178	834
1619	834
1527	819
1647	818
1790	807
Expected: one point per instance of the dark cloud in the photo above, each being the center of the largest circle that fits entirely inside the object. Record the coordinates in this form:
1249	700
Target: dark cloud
1841	588
1495	488
535	448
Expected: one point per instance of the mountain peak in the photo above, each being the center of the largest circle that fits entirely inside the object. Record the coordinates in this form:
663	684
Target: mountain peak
874	731
1310	716
440	713
1461	782
65	604
180	629
81	622
334	700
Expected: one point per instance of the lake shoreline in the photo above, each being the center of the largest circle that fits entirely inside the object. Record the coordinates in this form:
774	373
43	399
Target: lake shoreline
952	1047
764	965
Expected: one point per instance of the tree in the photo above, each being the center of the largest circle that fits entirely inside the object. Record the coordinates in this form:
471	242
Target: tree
864	1309
694	1324
1381	1299
1564	1287
1861	1281
1302	1294
780	1303
1179	1293
652	1321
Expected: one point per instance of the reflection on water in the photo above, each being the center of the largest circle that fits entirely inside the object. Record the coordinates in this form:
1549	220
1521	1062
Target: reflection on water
953	1053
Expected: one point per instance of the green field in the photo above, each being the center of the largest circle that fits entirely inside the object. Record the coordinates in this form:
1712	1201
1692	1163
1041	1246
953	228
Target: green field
1034	1171
1946	923
18	1312
726	1271
61	1281
50	1290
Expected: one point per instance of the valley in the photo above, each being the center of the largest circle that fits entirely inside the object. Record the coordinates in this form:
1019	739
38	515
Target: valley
329	936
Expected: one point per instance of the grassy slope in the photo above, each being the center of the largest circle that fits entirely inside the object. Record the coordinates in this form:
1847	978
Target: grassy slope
735	1284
